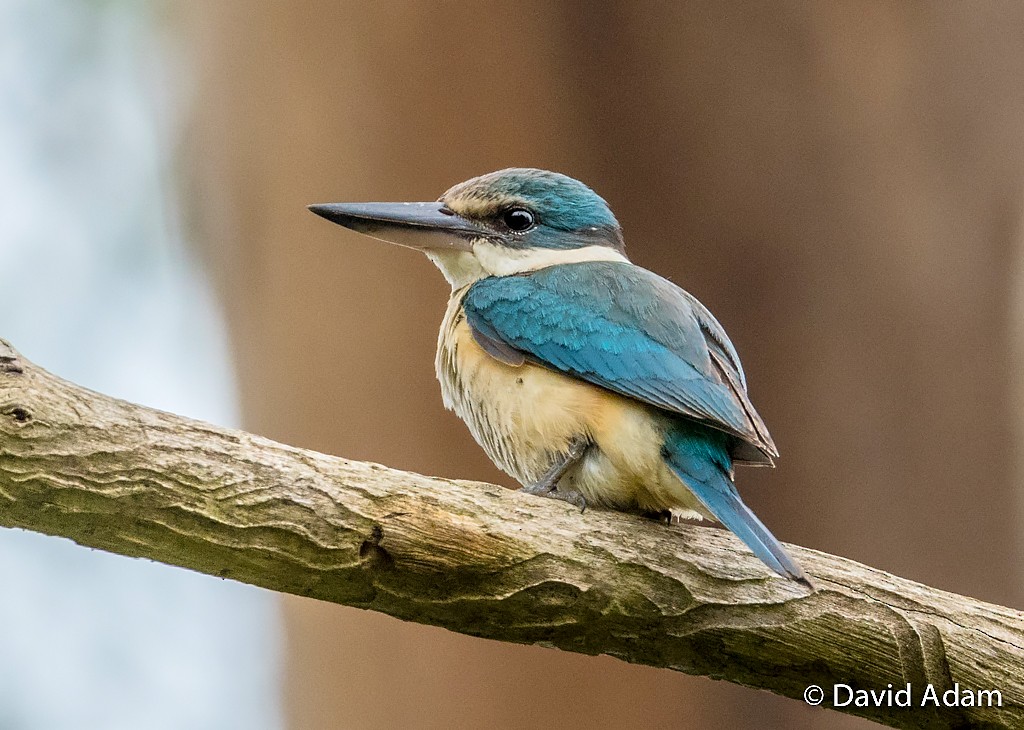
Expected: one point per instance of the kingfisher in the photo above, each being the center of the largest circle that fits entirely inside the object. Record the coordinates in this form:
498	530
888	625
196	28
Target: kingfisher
585	377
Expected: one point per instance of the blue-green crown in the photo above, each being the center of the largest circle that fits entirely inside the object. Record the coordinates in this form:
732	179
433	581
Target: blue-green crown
569	214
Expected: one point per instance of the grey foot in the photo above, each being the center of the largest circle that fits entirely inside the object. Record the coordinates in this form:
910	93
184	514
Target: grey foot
571	496
547	485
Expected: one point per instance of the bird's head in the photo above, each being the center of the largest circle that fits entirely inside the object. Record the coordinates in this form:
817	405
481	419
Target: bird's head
498	224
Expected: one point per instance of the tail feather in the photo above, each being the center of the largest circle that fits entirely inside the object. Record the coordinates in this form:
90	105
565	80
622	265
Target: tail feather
699	457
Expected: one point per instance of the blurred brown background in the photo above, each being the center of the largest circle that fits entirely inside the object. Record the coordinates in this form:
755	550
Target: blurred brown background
841	183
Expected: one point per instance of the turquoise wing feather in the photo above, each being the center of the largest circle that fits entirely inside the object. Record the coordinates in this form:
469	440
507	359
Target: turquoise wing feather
626	329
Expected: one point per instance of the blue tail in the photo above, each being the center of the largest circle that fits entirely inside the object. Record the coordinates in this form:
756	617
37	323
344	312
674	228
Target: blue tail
699	457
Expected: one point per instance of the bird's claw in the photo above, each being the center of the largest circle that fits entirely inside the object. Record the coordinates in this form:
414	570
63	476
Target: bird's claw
541	489
573	498
547	485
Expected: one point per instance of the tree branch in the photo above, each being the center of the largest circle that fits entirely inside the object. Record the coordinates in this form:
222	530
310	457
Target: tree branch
481	560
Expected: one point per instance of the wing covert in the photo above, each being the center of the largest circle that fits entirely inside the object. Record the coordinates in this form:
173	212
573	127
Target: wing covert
629	330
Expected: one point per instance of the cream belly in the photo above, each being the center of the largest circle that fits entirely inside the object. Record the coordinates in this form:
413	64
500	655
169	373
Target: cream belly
525	417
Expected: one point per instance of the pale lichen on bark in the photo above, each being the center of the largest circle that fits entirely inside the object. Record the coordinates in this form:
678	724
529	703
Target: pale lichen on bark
481	560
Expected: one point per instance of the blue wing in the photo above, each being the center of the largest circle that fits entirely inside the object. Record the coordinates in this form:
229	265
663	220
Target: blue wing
628	330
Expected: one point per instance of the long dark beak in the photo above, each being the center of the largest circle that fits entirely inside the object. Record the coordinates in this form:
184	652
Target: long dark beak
416	225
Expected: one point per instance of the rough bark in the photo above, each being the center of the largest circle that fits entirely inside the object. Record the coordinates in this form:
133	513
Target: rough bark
481	560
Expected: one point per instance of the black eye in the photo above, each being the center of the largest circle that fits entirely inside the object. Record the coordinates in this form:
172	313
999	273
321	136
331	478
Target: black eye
518	219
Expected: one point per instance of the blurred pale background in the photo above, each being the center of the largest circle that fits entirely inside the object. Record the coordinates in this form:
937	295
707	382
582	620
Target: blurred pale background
840	183
99	286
